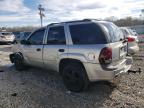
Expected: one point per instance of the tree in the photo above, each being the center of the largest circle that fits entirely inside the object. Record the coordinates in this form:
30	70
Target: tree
129	21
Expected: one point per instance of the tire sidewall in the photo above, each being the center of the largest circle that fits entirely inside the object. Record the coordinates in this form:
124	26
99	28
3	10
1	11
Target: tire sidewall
19	65
83	77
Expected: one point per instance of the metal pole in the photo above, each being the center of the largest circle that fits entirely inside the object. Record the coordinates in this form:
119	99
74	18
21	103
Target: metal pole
41	10
41	18
41	21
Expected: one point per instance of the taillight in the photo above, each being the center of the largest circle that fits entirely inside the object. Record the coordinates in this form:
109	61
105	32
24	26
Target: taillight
105	56
130	39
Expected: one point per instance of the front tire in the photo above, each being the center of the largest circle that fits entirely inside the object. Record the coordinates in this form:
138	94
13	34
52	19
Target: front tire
18	62
75	77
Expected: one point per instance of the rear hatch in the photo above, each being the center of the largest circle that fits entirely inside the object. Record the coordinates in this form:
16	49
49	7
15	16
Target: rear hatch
116	42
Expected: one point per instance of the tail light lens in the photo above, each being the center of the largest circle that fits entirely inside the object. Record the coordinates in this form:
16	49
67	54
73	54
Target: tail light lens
130	39
105	56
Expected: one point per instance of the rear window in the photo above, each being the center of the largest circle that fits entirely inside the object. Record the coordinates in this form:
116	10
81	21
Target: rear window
87	34
115	34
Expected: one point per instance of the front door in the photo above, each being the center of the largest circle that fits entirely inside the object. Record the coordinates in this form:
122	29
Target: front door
33	51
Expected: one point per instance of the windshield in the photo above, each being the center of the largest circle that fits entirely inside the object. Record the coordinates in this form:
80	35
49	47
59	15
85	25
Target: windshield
27	34
24	35
114	32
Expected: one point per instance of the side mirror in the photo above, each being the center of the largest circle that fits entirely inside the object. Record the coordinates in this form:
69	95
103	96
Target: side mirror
25	42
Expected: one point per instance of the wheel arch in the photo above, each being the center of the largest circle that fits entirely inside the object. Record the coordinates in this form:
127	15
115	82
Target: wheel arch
17	55
64	61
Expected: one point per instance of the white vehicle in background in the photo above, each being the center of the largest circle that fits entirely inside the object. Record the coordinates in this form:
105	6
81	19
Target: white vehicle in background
6	37
141	38
132	40
134	32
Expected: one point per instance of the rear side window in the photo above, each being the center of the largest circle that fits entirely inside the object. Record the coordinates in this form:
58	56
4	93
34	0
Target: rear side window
87	34
56	36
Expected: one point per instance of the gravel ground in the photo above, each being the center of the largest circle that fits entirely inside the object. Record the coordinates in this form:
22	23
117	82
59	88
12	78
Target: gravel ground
37	88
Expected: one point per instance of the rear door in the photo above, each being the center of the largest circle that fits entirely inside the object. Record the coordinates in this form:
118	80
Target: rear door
55	46
116	39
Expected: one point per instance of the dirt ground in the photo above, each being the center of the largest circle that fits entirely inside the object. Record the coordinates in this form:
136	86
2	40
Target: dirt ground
37	88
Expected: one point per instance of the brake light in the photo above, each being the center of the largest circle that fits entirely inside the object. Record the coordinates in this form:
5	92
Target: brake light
130	39
105	56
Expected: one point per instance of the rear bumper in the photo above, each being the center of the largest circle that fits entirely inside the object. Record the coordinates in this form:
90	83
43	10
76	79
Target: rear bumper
124	66
96	72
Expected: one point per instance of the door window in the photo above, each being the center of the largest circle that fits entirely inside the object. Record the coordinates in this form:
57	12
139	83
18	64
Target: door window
36	38
56	36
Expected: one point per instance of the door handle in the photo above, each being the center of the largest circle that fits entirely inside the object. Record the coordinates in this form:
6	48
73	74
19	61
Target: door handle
61	50
38	49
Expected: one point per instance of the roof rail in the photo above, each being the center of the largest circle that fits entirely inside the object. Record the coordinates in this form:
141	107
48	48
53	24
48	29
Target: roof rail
54	23
91	19
78	21
75	21
87	19
82	20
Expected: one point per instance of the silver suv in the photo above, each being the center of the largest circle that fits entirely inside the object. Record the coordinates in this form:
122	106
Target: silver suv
81	51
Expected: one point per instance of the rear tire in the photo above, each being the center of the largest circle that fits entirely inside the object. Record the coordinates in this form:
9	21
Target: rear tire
74	77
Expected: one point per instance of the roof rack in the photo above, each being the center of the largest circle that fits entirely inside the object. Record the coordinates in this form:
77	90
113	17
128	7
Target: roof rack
91	19
54	23
84	20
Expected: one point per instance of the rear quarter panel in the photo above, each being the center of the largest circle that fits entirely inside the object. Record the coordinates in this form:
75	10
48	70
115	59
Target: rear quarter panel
81	52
